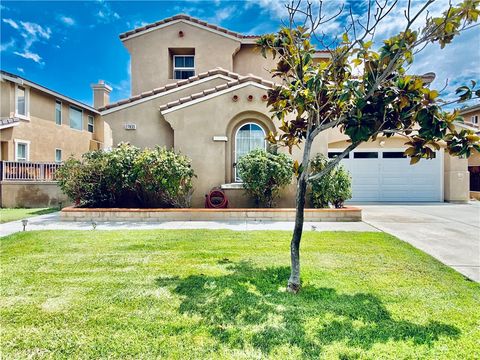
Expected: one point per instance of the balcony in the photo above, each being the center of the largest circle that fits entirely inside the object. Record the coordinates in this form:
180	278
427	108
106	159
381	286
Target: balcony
28	171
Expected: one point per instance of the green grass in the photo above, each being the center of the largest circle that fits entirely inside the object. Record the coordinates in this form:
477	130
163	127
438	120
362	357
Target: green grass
220	294
7	215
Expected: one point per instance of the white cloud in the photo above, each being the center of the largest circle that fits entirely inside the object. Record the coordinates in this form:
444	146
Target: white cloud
31	34
105	14
35	30
7	45
67	20
29	55
19	69
136	24
222	14
11	22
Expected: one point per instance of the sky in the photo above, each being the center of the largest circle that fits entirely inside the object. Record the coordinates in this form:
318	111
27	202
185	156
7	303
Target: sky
68	45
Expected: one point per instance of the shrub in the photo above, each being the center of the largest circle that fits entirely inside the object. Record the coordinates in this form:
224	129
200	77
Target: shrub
126	176
332	188
342	186
320	188
164	178
264	174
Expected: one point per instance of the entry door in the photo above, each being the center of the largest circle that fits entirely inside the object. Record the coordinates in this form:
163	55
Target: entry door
386	175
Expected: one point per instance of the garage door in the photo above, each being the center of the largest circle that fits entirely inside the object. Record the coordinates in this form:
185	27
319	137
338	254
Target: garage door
386	175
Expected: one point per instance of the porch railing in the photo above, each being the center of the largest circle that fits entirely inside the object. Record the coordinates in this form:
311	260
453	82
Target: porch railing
28	171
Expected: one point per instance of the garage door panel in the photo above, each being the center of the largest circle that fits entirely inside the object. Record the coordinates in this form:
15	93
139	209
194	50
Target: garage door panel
391	177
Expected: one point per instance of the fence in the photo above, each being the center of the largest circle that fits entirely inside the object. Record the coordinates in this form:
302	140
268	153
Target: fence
28	171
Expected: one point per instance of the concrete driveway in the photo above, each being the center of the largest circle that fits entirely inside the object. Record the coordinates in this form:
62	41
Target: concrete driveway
448	232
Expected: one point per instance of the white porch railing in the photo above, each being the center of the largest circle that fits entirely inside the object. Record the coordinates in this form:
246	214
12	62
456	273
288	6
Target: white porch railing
28	171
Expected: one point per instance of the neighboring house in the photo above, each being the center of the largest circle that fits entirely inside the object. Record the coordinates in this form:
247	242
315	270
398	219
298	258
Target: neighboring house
40	128
471	118
41	125
471	115
202	90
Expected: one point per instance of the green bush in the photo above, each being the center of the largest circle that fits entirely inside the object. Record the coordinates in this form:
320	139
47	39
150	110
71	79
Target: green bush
127	177
264	174
335	187
163	177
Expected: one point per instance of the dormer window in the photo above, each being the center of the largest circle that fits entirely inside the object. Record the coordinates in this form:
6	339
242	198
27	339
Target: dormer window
183	66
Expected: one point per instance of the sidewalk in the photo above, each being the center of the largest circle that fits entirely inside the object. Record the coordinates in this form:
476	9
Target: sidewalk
52	222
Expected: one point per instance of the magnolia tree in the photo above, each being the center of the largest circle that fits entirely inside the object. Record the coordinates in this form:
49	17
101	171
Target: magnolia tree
364	89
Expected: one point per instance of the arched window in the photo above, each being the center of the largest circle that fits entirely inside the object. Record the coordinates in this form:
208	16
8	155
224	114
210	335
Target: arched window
248	137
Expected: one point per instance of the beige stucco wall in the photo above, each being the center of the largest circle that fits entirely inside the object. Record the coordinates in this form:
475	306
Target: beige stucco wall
474	159
152	129
41	130
248	60
456	179
31	194
196	125
151	60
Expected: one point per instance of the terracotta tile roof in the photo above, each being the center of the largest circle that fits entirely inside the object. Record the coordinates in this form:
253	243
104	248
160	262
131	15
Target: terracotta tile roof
178	84
125	35
235	82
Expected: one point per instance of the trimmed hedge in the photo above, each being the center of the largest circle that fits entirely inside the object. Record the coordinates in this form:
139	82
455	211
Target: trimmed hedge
128	177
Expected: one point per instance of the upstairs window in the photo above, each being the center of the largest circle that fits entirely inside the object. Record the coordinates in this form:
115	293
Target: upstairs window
21	102
474	119
183	66
75	117
58	112
90	126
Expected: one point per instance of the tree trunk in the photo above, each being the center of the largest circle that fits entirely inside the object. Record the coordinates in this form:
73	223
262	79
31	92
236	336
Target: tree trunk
294	281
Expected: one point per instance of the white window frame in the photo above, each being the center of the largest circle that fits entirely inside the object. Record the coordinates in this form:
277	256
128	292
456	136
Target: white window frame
236	178
474	119
92	124
25	116
61	112
70	123
183	68
17	142
61	155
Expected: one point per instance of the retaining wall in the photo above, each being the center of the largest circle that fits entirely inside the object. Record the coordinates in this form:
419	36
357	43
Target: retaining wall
119	214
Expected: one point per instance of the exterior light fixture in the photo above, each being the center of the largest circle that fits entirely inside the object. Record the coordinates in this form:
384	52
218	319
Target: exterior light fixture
264	97
235	98
250	97
180	33
24	223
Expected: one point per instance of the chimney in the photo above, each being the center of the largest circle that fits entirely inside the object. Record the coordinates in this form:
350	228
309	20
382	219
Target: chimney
101	94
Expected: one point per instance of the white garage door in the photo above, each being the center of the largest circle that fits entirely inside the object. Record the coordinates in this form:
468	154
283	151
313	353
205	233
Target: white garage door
386	175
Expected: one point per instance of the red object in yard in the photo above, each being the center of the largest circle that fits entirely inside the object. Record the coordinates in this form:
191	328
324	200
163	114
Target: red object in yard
216	199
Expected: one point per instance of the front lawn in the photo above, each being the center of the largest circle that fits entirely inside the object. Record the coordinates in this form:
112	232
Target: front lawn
7	215
220	294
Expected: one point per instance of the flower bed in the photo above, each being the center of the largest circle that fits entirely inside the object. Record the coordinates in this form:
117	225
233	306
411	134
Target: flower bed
130	214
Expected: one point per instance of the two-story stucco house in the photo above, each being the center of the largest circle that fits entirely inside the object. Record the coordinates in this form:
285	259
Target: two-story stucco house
202	90
41	125
471	118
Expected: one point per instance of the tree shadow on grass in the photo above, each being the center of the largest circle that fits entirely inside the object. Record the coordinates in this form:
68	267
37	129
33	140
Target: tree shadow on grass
249	307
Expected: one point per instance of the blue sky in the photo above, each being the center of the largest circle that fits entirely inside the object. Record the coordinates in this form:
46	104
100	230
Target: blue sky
66	46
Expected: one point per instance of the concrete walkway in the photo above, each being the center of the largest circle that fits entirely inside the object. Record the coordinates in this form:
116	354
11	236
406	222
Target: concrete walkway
52	222
448	232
